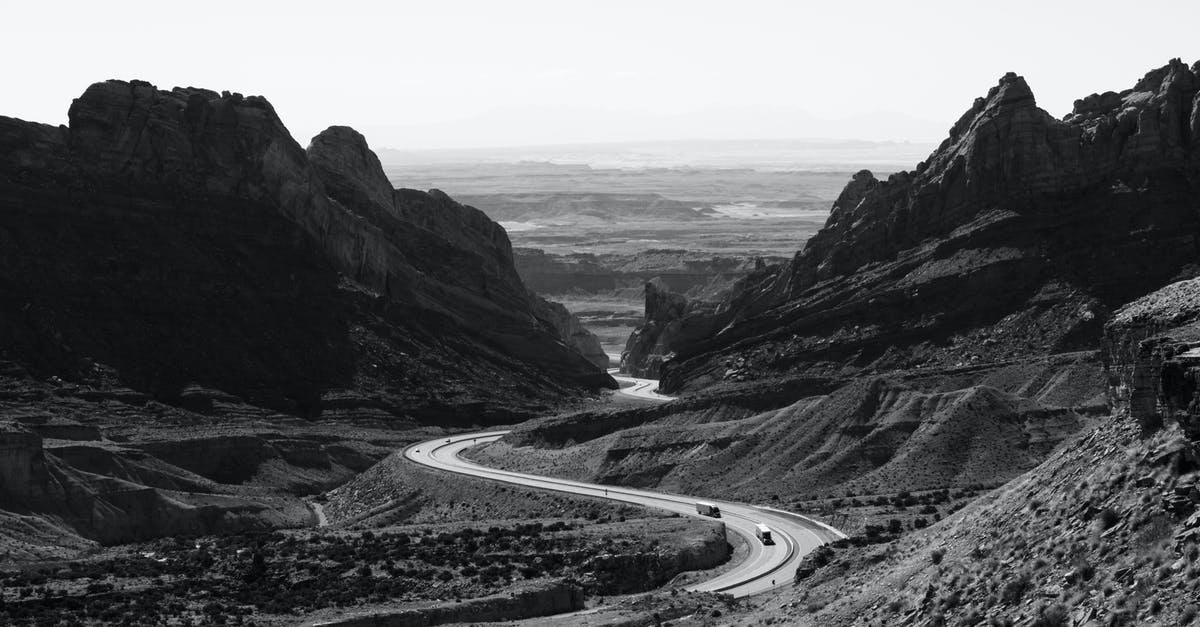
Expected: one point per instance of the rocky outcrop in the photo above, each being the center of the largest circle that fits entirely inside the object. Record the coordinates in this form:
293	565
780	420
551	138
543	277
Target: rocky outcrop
183	239
1017	235
1152	349
571	330
652	342
542	600
22	464
620	572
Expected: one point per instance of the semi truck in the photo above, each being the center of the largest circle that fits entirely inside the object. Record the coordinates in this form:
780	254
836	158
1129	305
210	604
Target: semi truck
704	508
764	533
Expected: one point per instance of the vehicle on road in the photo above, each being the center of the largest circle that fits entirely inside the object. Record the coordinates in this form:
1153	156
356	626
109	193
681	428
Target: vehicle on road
764	533
704	508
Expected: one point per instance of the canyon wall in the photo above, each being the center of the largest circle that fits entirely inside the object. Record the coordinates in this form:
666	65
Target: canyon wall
1019	235
184	237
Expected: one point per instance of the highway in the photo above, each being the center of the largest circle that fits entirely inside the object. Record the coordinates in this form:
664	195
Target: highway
765	567
643	389
639	388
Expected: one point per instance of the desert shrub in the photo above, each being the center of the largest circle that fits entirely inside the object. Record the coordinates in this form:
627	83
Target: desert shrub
1014	589
1108	517
936	556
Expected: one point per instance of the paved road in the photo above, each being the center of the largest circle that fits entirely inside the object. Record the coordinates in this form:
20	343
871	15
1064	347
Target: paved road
632	386
765	567
639	388
318	511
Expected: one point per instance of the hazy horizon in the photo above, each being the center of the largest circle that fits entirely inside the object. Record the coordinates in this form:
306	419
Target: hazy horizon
476	75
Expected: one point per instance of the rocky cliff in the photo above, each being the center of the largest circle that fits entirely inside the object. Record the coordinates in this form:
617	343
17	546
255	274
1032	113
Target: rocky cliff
201	322
1018	235
184	237
1152	348
568	327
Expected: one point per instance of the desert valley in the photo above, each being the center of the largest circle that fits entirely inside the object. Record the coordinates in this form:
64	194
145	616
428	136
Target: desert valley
253	378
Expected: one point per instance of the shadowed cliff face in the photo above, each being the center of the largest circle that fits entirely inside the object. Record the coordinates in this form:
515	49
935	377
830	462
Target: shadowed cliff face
1015	237
184	236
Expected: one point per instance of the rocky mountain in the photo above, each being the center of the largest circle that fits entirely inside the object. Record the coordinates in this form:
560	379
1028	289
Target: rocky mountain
1018	235
666	314
201	321
569	327
1013	325
1105	531
1015	318
184	237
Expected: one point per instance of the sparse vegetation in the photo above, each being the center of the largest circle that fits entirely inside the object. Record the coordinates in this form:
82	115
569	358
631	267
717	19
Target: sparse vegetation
232	579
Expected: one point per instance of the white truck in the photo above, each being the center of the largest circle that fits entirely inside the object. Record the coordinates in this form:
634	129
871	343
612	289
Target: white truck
704	508
764	533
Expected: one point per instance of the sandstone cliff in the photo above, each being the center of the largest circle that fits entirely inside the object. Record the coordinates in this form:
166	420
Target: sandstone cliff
1152	348
184	237
568	327
1016	236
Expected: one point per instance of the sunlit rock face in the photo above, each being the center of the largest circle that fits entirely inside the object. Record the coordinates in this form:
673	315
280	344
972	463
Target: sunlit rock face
1017	236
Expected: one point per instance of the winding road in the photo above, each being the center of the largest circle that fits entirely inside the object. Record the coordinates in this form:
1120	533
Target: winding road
765	567
639	388
644	389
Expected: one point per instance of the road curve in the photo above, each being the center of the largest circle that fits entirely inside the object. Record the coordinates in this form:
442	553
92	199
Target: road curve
644	389
766	566
639	388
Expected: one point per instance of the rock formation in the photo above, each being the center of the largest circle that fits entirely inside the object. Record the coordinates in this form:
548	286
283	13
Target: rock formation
568	327
652	342
185	290
184	237
1152	348
1016	236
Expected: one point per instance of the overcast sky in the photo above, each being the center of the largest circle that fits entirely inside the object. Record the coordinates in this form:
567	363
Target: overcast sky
442	73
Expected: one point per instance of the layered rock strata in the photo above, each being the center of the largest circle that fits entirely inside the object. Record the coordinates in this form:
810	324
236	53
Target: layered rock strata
1018	235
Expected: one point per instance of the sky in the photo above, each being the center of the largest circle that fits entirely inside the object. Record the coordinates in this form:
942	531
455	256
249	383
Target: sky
460	73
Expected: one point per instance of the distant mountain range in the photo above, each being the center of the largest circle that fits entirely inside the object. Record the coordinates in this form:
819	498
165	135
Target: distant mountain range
757	154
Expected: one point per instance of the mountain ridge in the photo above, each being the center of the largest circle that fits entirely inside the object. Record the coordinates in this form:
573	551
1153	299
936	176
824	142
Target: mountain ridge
1043	225
414	259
